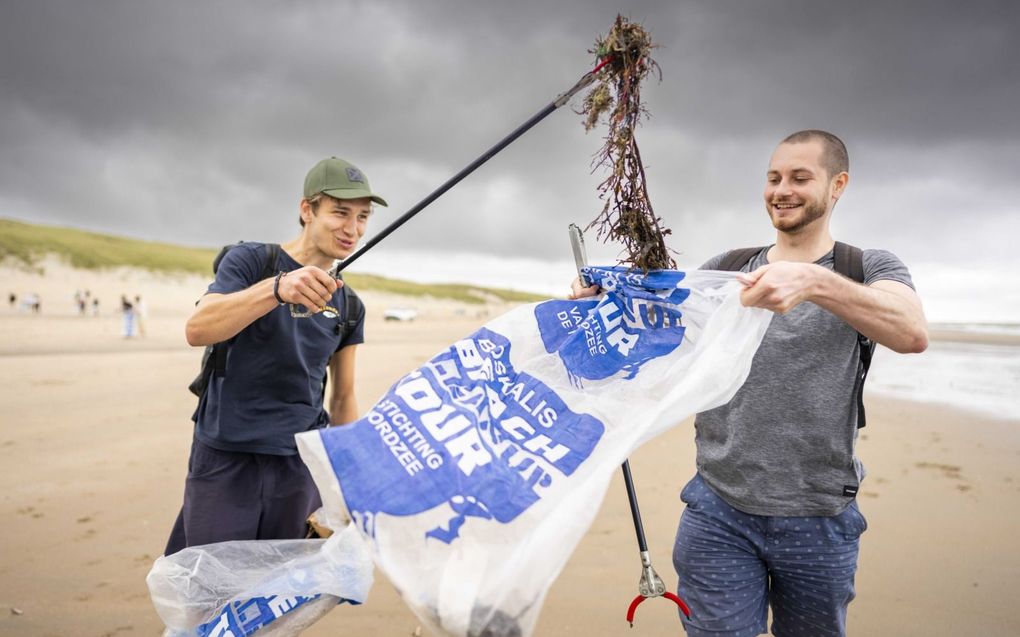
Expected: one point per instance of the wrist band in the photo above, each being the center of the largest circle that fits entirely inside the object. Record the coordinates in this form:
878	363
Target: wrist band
276	287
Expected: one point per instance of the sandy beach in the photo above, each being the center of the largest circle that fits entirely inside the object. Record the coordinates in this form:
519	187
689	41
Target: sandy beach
96	430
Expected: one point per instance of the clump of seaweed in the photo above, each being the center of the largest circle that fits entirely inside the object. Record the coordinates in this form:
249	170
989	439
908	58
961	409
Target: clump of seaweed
627	215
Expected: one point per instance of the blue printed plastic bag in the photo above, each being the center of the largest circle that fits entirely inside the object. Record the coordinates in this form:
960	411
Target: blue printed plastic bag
476	475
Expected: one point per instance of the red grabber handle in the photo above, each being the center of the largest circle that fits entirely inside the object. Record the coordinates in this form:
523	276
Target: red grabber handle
633	607
670	596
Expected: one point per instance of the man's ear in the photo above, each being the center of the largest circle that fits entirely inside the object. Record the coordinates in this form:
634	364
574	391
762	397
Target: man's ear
306	211
839	184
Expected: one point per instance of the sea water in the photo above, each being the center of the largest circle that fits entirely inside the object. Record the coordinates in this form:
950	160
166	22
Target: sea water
976	376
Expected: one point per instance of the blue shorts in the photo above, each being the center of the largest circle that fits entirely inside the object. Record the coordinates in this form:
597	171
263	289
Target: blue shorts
231	495
733	565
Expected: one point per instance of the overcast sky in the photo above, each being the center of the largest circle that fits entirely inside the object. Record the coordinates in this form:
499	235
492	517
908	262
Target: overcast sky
195	123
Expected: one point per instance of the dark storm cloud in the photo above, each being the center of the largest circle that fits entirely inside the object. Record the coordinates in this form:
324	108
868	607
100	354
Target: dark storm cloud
197	124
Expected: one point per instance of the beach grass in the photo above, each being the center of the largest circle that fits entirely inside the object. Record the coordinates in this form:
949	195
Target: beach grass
27	244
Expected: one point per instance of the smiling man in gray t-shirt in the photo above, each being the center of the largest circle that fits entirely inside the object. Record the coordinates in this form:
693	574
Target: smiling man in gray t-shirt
771	517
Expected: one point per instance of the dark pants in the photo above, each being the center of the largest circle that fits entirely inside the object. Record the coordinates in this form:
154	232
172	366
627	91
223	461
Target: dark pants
242	496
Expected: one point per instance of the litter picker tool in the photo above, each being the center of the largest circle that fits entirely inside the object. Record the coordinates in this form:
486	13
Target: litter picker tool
562	99
650	584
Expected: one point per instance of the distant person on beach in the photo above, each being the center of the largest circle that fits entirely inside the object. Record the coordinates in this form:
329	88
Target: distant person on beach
12	299
95	306
772	515
127	310
141	314
31	302
245	480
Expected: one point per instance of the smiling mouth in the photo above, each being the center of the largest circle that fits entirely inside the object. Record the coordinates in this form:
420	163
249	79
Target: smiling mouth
786	206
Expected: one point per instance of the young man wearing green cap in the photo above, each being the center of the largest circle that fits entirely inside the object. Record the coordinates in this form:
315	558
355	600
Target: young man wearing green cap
245	480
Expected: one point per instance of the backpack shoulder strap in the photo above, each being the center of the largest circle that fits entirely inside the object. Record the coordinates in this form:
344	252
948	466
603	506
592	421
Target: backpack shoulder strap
849	261
219	256
219	350
735	260
352	313
272	256
272	251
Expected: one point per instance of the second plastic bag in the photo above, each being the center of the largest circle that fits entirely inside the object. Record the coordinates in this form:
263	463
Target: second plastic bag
272	587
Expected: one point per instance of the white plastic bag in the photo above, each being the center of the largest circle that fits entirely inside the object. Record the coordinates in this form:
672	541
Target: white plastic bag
476	475
275	587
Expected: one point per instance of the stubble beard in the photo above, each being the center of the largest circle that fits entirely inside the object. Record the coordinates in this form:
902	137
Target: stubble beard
813	211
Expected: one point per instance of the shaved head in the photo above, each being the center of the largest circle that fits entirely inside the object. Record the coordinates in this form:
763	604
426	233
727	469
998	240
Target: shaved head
834	155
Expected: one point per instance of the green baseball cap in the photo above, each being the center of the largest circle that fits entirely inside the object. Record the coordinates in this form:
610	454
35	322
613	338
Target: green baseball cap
340	179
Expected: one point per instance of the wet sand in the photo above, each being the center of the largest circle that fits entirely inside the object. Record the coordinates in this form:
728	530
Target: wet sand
96	430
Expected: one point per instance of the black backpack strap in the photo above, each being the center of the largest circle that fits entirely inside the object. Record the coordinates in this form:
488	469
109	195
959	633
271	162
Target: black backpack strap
219	352
272	256
201	381
352	312
867	350
849	261
219	256
735	260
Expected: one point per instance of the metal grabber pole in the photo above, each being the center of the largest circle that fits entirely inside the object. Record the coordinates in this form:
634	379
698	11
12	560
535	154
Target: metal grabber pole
650	584
585	80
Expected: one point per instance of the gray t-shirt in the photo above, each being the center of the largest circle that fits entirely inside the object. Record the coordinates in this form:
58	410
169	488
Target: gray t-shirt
784	446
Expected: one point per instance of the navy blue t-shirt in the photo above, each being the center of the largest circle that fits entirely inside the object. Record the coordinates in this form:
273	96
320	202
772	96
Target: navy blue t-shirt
272	386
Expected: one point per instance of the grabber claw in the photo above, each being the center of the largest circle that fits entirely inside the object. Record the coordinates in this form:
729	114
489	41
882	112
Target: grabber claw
651	585
670	596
